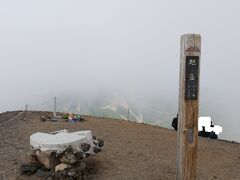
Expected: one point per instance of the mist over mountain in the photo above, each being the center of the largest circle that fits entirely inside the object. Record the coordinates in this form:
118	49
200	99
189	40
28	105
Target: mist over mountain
114	105
156	110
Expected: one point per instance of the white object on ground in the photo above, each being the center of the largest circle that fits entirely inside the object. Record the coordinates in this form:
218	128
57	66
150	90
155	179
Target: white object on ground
206	122
62	167
59	140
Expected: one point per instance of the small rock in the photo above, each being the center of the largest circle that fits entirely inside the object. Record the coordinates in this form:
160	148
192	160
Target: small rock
68	157
71	173
82	166
43	173
96	150
43	118
62	167
75	172
79	155
29	169
69	149
33	158
87	154
100	142
47	158
59	174
85	147
95	142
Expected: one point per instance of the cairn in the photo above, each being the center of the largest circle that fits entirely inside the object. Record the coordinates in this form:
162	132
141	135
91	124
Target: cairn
66	163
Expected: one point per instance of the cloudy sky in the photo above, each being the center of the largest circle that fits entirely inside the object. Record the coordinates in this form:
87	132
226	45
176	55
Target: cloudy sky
129	46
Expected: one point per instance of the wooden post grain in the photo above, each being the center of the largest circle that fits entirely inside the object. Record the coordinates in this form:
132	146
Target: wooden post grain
187	139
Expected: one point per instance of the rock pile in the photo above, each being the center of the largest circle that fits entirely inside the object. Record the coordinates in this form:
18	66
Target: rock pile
65	164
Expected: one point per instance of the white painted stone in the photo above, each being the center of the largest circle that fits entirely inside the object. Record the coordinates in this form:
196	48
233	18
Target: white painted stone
60	140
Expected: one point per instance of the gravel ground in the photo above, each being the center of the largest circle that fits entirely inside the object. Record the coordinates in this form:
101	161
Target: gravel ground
131	152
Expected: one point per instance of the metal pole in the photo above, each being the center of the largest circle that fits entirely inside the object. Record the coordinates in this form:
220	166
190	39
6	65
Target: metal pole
25	113
55	107
187	139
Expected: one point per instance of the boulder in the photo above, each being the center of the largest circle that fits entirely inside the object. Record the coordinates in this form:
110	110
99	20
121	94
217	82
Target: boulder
48	158
43	173
61	174
29	169
33	158
67	156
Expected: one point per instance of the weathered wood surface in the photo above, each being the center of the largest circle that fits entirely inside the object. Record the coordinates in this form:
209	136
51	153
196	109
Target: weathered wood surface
188	114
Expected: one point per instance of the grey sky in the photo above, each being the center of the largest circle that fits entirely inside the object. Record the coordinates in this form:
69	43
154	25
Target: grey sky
126	46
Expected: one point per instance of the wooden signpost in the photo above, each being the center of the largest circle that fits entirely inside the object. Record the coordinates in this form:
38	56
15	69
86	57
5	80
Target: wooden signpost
188	107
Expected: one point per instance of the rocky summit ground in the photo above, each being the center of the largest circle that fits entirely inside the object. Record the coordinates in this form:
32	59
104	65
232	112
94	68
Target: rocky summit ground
132	151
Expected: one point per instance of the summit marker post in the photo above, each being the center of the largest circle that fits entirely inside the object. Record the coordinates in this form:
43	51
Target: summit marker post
187	138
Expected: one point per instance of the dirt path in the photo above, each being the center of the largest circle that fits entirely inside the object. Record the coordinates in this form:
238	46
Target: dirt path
132	151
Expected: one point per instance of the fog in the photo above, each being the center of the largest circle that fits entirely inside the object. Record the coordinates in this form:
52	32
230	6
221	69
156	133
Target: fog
128	50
